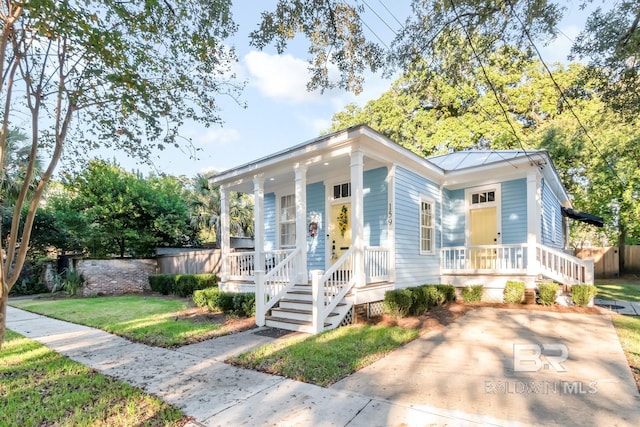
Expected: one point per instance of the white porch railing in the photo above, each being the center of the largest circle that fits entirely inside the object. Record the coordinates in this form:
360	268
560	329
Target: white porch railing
242	265
274	284
330	288
484	258
512	259
376	264
564	268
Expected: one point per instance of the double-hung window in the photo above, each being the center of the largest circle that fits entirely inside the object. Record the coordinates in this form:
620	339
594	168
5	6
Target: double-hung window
288	221
427	227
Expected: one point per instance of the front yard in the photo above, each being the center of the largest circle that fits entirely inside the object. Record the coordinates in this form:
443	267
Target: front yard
152	320
39	387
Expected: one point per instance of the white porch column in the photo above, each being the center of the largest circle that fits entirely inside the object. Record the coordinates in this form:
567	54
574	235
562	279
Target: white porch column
357	216
534	211
224	238
258	228
301	221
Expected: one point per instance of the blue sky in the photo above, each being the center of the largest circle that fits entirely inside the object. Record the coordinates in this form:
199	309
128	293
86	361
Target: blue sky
279	111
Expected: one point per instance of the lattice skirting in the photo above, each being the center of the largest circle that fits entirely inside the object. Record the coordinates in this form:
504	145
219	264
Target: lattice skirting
375	309
348	318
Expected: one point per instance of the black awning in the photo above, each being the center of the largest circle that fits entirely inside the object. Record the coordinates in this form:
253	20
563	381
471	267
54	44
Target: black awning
583	216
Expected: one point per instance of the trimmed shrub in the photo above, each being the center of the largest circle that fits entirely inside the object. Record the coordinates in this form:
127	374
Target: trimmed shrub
204	298
472	293
183	285
397	303
583	294
514	292
448	292
223	301
547	293
244	304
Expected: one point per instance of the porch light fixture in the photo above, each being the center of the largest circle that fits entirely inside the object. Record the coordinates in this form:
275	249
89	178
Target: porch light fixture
389	215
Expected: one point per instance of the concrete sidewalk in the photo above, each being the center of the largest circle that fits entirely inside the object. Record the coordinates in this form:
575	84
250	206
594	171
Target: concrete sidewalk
440	379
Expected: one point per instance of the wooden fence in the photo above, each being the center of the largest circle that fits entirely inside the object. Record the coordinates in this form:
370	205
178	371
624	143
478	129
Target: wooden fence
190	262
607	260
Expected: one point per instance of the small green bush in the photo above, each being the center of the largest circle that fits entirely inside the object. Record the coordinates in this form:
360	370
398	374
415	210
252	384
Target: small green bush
204	298
397	303
447	291
244	304
223	301
514	292
182	285
547	293
583	294
472	293
73	282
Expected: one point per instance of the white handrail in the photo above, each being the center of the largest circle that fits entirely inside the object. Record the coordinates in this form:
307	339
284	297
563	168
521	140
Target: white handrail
279	279
335	283
240	265
563	267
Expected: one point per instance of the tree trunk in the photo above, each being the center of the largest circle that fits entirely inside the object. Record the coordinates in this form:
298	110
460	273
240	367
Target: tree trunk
622	240
3	315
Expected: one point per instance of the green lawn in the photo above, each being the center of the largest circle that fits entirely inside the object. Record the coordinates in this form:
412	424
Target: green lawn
41	388
326	358
617	290
628	329
151	320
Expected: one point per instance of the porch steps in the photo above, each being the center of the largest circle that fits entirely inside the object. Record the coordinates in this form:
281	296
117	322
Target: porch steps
294	311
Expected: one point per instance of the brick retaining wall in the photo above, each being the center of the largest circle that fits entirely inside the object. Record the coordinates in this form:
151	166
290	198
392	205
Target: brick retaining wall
115	276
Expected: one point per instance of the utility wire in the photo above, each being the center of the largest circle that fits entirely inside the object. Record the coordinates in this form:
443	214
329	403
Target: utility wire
489	82
380	18
368	27
562	94
391	13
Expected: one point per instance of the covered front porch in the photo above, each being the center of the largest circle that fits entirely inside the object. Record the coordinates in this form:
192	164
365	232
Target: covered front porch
322	232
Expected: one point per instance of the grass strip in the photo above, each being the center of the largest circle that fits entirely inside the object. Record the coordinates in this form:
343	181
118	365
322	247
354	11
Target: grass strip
328	357
150	320
619	291
628	329
40	387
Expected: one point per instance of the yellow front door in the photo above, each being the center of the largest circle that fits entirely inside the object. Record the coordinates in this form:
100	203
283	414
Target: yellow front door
483	231
340	230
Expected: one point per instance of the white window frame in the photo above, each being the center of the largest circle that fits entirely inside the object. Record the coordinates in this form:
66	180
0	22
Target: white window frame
290	220
432	203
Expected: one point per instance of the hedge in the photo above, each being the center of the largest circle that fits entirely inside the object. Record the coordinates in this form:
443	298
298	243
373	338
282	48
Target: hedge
514	292
583	294
182	285
547	293
472	293
418	300
239	304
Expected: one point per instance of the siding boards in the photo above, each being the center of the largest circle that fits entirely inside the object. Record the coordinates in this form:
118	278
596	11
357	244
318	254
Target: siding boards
270	225
412	268
376	200
551	220
514	211
453	221
316	213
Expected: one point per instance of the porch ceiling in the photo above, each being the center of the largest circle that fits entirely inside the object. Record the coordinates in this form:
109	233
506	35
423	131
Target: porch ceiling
322	167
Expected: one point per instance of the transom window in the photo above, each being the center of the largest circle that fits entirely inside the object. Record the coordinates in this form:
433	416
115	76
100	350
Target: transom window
483	197
288	221
427	229
341	191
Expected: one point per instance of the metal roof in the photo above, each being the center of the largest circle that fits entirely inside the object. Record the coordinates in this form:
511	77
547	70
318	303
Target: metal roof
469	159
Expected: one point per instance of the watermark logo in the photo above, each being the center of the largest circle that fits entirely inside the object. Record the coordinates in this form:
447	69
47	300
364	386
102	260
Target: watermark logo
540	387
535	357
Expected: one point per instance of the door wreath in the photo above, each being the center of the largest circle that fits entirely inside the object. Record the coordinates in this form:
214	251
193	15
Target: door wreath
343	220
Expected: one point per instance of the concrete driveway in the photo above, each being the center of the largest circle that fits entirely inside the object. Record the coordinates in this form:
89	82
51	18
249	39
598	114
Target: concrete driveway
510	365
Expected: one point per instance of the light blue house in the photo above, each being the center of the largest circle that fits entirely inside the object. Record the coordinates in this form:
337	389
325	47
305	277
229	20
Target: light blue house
345	217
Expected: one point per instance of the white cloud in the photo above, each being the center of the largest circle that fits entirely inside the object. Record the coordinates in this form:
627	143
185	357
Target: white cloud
218	137
281	77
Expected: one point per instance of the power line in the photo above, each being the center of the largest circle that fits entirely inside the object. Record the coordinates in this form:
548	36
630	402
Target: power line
391	13
564	97
368	27
380	18
489	82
